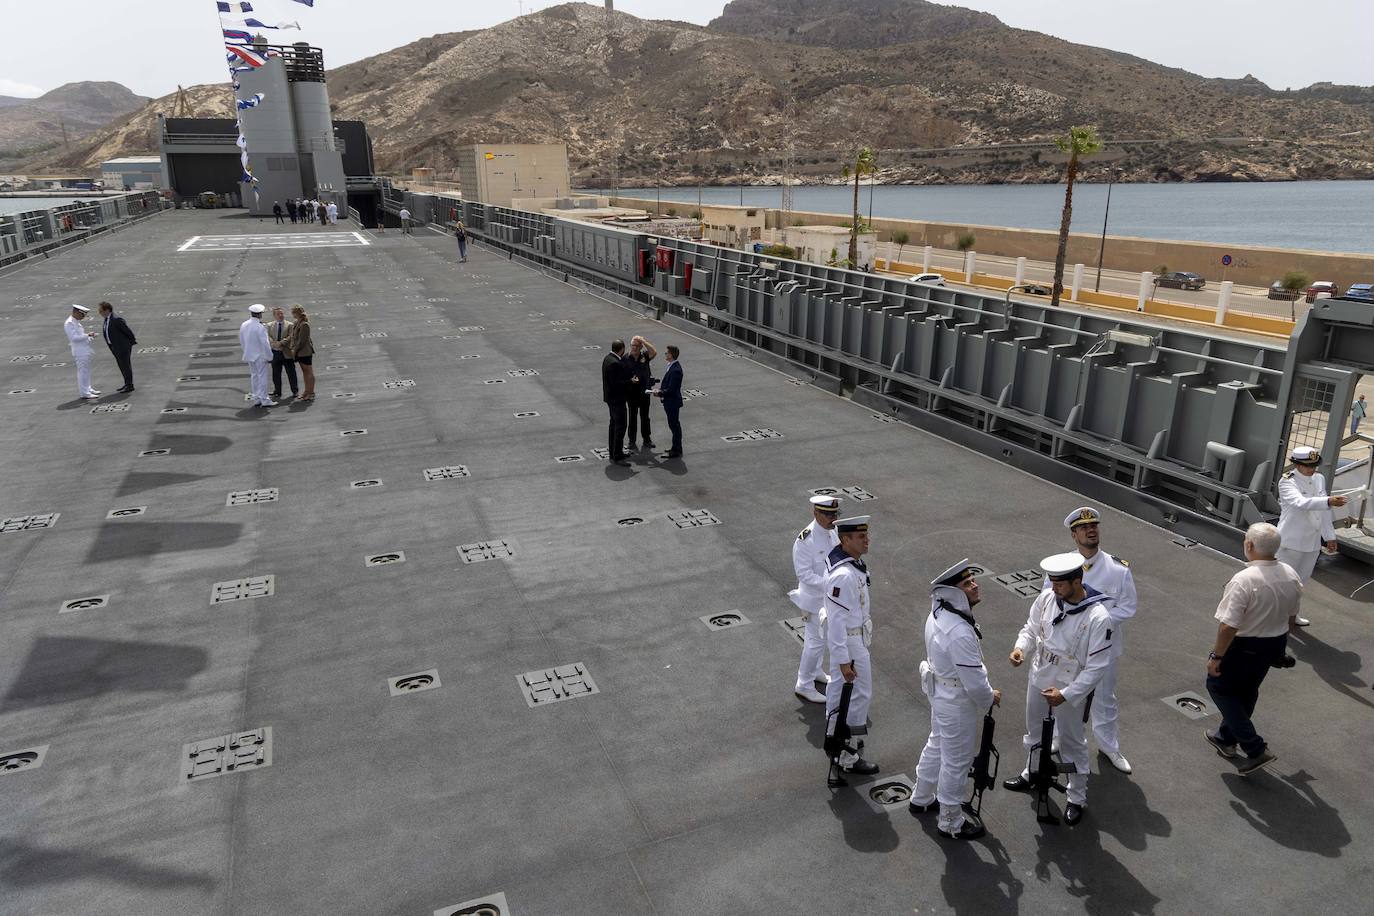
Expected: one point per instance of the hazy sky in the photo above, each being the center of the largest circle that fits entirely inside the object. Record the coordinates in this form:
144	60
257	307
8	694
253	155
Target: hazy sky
153	45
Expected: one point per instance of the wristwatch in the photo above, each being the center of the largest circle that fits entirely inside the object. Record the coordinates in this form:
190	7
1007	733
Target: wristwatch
1213	657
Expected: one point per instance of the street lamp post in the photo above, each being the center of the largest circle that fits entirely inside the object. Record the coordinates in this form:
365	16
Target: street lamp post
1102	248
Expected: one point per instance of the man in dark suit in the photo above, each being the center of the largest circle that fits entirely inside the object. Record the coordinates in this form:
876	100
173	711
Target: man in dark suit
277	330
121	341
669	391
615	391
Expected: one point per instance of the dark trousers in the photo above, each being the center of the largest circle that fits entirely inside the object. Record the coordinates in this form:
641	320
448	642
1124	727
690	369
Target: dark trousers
674	426
639	416
1236	691
616	435
279	218
463	249
278	361
126	365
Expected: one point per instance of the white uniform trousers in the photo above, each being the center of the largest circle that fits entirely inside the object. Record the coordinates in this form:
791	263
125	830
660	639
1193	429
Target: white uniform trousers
1073	744
863	689
83	373
942	771
812	665
1302	561
1105	711
257	379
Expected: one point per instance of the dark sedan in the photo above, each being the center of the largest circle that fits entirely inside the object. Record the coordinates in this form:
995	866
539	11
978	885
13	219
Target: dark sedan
1180	279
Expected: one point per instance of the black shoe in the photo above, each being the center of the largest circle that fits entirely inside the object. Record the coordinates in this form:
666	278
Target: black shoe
620	461
649	445
1073	813
971	829
631	447
916	810
1223	750
125	390
670	455
275	395
861	767
1019	784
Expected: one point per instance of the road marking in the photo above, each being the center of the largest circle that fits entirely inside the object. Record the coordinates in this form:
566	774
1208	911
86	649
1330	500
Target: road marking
189	242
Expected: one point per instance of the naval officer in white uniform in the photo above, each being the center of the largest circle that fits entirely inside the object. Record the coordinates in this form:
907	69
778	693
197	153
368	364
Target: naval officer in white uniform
1112	577
80	340
848	632
1068	637
257	353
955	680
811	561
1305	524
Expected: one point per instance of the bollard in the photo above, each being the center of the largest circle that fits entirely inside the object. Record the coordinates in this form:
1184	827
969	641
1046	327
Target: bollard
925	260
1146	280
970	259
1224	300
1020	271
1077	282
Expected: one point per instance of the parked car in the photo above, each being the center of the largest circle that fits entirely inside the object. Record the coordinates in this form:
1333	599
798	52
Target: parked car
1362	291
932	279
1277	291
1180	279
1036	289
1322	286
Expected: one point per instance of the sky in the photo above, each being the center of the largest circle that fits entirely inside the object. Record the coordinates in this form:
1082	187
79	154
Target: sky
153	46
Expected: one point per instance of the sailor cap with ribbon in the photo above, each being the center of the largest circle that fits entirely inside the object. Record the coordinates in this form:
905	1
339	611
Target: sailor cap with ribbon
827	504
853	523
81	308
1306	455
959	572
257	308
1063	566
1084	515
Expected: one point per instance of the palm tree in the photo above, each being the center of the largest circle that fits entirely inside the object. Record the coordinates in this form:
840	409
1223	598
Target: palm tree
865	163
1079	142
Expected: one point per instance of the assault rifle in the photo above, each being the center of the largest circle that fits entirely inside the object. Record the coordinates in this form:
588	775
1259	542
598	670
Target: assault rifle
985	765
1045	774
837	740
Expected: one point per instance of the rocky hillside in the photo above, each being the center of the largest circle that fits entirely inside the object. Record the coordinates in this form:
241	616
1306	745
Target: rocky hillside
29	125
640	100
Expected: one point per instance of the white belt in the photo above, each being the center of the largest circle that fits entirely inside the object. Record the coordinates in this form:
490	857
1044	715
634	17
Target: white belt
947	681
853	631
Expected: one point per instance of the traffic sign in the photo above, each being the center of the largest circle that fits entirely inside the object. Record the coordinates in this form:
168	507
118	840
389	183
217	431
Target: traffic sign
1226	260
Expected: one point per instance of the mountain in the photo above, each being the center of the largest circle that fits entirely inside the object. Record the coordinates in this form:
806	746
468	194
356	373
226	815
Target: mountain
77	108
639	101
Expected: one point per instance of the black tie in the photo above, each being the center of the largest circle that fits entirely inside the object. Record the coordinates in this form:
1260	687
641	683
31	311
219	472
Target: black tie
107	330
278	331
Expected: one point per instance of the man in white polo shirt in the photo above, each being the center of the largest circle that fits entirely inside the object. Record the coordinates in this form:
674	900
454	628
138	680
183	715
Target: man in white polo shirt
1258	608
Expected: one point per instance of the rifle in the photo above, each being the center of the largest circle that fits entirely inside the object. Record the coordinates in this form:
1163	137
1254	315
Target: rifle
985	765
837	739
1045	774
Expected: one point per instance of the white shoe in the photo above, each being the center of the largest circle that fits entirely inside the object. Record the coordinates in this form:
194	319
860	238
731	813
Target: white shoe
1118	761
95	391
267	403
822	679
1303	622
89	397
809	694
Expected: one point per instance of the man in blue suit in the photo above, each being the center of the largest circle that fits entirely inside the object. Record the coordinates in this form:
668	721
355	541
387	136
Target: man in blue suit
670	393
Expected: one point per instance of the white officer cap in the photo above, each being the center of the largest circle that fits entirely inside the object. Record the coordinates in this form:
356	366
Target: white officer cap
81	308
257	308
1063	565
1305	454
959	572
828	504
1084	515
853	523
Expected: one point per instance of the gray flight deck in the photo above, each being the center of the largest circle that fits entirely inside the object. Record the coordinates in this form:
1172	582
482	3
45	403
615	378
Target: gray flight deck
682	776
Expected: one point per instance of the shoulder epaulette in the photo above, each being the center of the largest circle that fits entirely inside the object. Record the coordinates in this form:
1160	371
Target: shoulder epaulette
1288	475
805	533
1125	563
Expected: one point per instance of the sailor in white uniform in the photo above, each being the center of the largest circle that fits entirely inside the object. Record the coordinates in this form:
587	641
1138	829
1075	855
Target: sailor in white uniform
1068	637
848	633
257	353
80	340
811	560
1111	576
955	680
1305	524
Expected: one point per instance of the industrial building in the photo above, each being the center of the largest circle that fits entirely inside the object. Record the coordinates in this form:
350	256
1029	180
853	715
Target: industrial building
295	147
503	172
133	173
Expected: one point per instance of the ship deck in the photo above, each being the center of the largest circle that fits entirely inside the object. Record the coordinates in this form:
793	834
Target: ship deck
691	781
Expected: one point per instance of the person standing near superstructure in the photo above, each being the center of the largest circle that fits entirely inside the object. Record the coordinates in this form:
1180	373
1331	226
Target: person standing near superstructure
811	562
1305	523
955	680
80	340
1111	576
1068	637
848	633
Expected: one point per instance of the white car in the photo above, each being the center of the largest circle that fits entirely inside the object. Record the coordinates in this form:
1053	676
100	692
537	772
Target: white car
932	279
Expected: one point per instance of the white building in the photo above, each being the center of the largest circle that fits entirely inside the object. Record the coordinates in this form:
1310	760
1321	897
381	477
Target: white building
133	173
829	244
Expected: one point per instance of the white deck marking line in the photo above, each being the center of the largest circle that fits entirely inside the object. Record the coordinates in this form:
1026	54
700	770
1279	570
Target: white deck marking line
359	237
189	242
